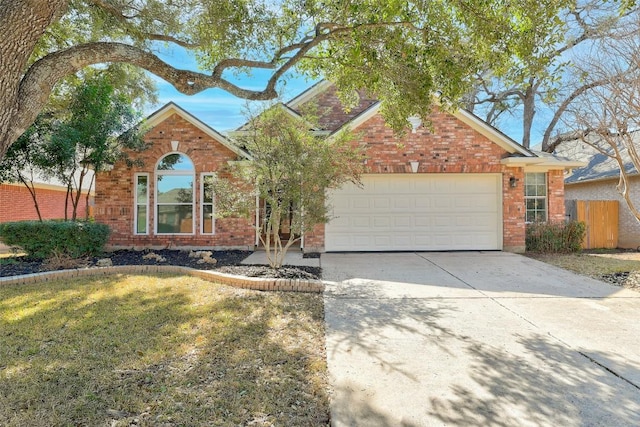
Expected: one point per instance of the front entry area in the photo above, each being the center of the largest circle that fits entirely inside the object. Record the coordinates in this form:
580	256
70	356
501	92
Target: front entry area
427	212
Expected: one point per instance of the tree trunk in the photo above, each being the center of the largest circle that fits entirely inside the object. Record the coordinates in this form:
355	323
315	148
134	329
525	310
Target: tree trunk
529	111
87	197
22	23
32	191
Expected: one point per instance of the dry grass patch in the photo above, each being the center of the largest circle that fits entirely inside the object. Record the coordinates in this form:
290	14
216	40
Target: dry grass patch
592	265
160	351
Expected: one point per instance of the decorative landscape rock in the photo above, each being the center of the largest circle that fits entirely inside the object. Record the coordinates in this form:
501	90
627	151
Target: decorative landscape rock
104	262
154	256
200	254
205	257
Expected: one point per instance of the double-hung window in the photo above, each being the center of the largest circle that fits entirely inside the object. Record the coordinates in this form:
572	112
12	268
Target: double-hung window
535	196
141	211
175	175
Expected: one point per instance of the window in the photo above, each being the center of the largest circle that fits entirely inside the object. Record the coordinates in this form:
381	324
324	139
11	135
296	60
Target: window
141	210
207	204
174	195
535	197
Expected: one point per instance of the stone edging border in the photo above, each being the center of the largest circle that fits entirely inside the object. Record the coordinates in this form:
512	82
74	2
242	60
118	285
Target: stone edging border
243	282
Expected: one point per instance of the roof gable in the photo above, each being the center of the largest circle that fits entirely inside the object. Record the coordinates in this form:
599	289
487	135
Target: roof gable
172	108
324	93
469	119
331	113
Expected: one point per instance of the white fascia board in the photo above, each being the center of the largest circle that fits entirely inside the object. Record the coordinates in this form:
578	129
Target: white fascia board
541	163
309	94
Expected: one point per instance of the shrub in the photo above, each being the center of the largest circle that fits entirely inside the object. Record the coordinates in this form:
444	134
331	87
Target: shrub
44	239
555	237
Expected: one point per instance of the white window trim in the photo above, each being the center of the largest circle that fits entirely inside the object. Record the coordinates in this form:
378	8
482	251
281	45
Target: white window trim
546	197
136	204
202	204
193	195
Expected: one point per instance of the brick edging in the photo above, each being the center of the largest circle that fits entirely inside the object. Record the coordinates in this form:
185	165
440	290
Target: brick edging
253	283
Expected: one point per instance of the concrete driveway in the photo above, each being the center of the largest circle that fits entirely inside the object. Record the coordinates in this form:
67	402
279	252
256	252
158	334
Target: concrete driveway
478	339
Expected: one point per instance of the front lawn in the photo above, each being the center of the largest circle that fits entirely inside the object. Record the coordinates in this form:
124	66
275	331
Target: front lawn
617	267
160	351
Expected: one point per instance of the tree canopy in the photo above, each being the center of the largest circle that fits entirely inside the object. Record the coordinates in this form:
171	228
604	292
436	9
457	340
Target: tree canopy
550	75
92	132
402	52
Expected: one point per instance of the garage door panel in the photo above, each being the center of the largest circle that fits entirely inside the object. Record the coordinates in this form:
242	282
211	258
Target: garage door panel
382	241
361	222
381	202
417	212
423	204
402	222
402	202
358	203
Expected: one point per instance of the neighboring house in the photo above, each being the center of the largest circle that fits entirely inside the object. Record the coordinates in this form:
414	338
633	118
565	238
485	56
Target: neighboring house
16	203
598	180
458	184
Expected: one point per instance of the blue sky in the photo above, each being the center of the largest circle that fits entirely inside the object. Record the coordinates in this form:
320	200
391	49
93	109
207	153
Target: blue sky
215	107
223	111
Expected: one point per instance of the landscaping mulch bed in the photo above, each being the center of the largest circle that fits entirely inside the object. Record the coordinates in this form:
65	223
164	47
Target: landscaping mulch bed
225	262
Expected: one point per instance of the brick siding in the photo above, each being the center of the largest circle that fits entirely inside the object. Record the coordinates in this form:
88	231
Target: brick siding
115	191
16	204
555	189
628	225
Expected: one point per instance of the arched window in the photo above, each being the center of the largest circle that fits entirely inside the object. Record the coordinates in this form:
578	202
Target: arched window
175	176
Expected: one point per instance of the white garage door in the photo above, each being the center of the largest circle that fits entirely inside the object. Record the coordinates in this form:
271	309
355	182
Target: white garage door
432	212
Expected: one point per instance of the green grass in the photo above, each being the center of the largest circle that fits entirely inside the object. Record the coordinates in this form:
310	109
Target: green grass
591	265
162	350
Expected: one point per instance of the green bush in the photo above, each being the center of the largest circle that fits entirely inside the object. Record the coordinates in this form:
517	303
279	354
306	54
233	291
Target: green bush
42	239
555	237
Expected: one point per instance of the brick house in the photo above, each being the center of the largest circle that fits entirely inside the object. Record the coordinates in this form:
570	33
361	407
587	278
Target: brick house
458	184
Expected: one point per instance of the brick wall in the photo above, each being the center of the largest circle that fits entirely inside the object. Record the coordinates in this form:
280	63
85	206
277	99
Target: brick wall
115	191
628	225
555	188
513	211
16	203
450	147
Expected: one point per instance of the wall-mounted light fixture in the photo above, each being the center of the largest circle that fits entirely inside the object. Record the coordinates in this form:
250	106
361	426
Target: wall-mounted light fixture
513	182
415	122
414	166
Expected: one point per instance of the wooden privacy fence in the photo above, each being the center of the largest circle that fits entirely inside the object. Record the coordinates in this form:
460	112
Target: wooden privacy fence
601	219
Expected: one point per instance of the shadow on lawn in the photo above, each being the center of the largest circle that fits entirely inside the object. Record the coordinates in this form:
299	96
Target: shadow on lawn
162	350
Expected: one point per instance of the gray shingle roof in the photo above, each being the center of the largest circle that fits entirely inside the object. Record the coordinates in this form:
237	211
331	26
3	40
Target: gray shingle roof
600	166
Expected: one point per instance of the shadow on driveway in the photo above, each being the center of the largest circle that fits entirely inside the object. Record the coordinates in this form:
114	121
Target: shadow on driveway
421	340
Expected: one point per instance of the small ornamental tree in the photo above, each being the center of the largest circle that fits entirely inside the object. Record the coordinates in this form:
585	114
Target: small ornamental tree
290	170
100	126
